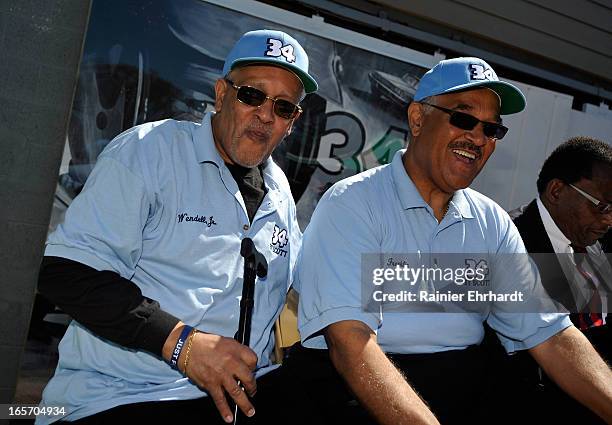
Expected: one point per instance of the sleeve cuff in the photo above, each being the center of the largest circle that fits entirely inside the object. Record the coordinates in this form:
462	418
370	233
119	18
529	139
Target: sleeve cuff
539	337
328	317
155	331
78	255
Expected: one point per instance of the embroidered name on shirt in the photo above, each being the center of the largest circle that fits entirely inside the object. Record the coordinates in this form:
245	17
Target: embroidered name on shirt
184	217
279	241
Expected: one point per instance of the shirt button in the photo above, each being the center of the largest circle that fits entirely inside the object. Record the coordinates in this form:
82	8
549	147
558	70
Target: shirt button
245	227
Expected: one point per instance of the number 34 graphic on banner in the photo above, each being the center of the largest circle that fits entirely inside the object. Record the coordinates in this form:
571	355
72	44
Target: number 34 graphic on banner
276	49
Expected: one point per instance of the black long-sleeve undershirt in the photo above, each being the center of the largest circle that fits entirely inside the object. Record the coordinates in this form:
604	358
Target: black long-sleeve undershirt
107	304
113	307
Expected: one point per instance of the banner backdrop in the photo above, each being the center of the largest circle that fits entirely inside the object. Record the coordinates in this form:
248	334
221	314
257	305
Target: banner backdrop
145	61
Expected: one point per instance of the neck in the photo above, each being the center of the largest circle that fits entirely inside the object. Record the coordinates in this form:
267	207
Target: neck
435	197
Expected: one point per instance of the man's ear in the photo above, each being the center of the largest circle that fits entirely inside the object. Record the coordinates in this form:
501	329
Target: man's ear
553	191
221	88
415	118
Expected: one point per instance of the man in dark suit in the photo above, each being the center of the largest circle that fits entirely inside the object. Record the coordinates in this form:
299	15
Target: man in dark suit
573	210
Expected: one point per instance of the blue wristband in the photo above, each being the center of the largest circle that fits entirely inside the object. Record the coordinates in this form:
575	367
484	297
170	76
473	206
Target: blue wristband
180	343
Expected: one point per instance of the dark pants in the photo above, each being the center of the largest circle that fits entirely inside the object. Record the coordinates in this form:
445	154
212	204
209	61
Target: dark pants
452	383
274	403
523	394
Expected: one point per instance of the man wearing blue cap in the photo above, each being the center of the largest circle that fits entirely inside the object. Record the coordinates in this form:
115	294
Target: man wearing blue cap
148	259
402	366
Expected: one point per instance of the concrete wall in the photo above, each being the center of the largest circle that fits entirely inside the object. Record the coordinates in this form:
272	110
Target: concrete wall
40	50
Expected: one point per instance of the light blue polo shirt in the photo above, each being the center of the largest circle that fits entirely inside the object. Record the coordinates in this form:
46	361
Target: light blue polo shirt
381	211
161	209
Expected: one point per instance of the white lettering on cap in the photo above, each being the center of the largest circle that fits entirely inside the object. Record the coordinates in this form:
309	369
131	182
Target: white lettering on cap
276	49
479	72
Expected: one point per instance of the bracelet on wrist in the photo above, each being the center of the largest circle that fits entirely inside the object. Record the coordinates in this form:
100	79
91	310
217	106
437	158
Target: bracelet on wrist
178	347
188	352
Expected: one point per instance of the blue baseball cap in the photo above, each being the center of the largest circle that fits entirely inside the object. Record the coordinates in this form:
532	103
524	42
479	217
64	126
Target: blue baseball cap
460	74
269	47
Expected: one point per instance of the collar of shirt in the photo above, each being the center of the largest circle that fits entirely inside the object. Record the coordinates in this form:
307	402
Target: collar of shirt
409	195
560	243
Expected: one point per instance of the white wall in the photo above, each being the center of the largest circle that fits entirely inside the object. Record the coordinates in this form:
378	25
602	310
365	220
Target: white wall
511	173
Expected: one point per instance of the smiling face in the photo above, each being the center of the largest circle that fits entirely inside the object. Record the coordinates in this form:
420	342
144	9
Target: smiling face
247	135
445	158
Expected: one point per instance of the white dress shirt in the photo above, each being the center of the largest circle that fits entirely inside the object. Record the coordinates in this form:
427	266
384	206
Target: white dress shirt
562	245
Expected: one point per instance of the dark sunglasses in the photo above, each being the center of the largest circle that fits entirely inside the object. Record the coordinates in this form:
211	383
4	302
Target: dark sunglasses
601	206
465	121
254	97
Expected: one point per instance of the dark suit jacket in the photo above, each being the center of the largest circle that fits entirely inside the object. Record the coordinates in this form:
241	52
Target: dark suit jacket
533	232
546	397
531	228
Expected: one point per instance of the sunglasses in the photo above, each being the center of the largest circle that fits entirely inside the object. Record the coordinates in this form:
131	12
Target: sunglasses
254	97
467	122
601	207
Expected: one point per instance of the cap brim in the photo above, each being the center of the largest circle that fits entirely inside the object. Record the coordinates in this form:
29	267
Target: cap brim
309	83
512	99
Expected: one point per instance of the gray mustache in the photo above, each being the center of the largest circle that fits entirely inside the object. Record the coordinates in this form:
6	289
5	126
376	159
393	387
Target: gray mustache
260	129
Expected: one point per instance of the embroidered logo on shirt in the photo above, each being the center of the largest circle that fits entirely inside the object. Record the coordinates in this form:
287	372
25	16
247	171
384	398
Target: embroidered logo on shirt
279	241
481	269
184	217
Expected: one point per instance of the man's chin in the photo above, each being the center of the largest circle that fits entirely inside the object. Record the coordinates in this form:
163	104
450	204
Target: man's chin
594	237
249	162
249	153
460	184
460	178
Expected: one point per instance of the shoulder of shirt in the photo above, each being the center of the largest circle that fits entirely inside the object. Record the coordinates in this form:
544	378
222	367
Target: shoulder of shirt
143	136
362	187
482	204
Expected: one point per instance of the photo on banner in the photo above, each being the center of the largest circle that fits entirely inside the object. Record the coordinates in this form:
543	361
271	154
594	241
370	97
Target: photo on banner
143	63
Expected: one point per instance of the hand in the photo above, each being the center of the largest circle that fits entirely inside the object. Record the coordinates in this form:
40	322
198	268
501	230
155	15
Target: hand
216	364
